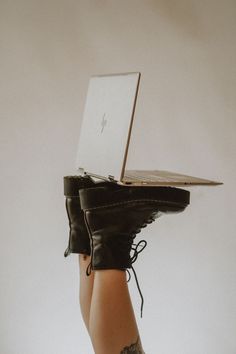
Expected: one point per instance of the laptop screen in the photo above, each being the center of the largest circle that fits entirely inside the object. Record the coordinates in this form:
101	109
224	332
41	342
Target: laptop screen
106	124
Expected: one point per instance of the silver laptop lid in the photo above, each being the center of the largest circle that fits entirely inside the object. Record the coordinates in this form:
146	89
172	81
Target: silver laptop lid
106	124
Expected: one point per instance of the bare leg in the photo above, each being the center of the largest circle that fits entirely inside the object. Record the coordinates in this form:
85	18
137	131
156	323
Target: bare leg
86	288
112	323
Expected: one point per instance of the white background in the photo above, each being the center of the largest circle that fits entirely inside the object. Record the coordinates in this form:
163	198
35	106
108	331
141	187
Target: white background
185	122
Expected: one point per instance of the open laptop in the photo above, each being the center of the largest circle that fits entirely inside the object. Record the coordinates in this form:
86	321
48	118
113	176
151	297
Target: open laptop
105	135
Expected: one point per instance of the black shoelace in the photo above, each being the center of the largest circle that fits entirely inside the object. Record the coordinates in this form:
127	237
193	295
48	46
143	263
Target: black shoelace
142	244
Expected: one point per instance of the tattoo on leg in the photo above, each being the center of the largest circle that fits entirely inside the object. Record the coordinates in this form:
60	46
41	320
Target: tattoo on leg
135	348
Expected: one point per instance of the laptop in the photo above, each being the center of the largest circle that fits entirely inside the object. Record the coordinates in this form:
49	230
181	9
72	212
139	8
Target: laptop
105	135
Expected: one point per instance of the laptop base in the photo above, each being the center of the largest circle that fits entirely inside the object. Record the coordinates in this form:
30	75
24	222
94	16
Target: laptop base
154	178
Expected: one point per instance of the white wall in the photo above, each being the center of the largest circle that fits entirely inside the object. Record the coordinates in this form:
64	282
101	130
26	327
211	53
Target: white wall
185	121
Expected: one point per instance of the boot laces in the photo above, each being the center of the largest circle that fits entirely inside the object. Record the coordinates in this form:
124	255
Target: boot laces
138	248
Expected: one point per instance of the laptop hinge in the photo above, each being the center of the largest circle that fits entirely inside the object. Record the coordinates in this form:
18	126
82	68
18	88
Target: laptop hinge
84	173
81	171
111	178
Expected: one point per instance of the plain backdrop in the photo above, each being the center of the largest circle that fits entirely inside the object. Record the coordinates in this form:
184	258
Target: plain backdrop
185	122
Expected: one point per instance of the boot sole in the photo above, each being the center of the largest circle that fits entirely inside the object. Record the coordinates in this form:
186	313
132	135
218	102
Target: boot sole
167	197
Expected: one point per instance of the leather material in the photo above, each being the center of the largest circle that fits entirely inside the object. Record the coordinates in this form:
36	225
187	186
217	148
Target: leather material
113	231
72	184
113	226
166	196
79	241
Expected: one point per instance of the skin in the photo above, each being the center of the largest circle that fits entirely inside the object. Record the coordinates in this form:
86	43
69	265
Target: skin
107	309
86	288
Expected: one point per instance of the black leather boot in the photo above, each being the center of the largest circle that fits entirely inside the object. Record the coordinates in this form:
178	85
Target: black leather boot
79	241
114	217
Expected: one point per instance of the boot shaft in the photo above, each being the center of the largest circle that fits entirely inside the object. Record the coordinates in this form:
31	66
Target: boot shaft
112	231
115	214
79	241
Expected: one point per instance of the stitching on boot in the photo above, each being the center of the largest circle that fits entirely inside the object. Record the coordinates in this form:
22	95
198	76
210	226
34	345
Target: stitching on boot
134	200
